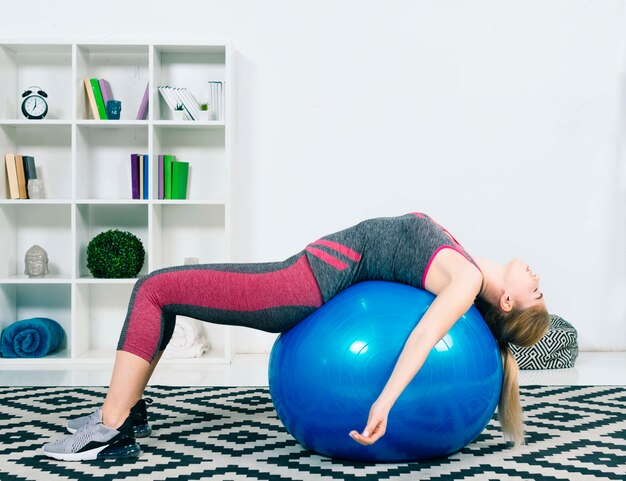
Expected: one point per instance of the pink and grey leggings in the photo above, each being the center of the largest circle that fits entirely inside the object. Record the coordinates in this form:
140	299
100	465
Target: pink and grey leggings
271	296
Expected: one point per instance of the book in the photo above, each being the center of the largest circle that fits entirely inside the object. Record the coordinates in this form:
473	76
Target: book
29	168
146	182
105	89
102	113
165	92
167	175
160	167
142	114
134	175
141	176
21	177
181	99
14	192
180	174
91	100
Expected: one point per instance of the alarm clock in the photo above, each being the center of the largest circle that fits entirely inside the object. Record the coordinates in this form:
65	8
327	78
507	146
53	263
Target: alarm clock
34	105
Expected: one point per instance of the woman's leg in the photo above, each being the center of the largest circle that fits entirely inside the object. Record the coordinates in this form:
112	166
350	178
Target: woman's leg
130	377
269	296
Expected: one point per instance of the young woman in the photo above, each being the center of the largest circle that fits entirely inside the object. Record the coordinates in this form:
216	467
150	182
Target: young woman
412	249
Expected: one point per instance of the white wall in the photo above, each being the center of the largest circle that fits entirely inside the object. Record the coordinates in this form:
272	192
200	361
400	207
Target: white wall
504	120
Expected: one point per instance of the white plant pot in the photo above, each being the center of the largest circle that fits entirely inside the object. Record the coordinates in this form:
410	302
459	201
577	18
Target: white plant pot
179	114
204	115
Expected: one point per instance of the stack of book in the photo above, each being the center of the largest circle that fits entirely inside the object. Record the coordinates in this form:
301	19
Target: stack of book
173	177
172	181
20	169
216	104
139	166
99	93
180	96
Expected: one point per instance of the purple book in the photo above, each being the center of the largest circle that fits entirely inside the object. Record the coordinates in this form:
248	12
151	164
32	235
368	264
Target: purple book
142	114
134	170
105	88
161	177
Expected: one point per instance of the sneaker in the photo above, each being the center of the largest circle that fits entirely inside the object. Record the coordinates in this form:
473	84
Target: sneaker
95	441
138	416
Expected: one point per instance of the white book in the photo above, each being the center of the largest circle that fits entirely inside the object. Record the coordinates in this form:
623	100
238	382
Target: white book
180	93
213	101
220	104
196	104
167	96
191	103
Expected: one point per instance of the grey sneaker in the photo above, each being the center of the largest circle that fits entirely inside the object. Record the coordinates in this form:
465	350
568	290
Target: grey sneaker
95	441
138	416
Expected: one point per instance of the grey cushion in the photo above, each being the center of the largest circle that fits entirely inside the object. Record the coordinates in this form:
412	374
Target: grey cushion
557	349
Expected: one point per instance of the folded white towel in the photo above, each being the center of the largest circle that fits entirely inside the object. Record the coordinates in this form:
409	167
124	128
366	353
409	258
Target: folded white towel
187	340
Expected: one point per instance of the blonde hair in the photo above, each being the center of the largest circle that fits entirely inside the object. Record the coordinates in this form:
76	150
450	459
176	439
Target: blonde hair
522	327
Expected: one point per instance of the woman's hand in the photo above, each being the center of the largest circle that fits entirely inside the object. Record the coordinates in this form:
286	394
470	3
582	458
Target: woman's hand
376	425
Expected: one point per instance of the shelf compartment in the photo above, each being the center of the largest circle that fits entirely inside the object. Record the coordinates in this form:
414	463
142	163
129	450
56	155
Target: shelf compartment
23	225
50	145
124	66
23	301
100	313
205	151
46	66
91	220
181	231
191	67
103	168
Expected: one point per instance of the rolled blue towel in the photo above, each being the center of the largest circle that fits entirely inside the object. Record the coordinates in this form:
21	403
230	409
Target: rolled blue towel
33	337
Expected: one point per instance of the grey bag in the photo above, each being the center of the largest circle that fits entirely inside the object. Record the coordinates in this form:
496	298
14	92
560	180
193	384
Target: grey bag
557	349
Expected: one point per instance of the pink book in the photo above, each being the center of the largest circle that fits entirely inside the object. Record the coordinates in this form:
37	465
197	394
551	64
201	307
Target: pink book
142	114
161	177
105	88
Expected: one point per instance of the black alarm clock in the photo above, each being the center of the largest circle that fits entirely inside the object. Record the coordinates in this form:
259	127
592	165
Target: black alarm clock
34	105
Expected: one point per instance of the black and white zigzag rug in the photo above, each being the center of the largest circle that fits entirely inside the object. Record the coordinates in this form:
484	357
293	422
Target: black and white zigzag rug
573	433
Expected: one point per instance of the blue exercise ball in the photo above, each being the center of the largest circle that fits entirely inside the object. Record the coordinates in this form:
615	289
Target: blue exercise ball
325	373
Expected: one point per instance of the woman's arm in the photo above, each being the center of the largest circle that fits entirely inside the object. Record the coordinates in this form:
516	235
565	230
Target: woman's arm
449	305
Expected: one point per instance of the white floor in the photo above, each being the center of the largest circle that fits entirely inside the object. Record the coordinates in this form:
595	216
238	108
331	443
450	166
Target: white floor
592	368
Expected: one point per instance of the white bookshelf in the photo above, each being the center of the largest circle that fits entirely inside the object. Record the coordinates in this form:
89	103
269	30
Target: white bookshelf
85	168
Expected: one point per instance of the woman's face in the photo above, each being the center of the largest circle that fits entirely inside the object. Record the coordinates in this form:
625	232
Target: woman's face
522	284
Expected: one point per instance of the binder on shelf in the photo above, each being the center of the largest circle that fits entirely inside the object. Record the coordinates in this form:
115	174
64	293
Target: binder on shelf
180	174
142	114
98	96
216	94
14	191
146	183
134	175
105	89
167	175
160	167
91	100
21	177
29	167
140	176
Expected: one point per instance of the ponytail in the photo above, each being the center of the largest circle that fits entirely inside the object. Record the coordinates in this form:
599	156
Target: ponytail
522	328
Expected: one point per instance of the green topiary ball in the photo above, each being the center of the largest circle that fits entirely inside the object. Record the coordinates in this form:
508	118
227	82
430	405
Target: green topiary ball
115	254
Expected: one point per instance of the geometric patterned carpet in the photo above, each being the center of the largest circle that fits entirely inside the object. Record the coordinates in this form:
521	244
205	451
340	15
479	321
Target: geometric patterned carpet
223	433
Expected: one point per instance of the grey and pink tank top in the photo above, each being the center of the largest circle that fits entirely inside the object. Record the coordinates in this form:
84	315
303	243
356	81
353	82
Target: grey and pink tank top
397	249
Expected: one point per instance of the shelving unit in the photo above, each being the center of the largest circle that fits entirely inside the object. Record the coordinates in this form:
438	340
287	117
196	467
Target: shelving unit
85	168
